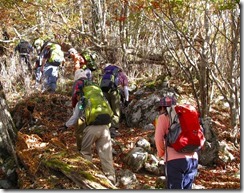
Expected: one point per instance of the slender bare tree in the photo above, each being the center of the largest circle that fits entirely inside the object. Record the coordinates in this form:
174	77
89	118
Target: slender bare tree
7	128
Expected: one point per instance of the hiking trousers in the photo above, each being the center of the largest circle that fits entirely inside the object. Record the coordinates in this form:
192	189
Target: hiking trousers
113	98
38	74
50	77
100	135
181	173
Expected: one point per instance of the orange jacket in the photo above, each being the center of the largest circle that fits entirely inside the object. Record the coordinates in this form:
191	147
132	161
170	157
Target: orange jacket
79	61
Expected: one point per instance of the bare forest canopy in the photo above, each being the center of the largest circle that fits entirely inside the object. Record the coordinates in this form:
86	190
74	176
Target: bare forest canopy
197	42
192	45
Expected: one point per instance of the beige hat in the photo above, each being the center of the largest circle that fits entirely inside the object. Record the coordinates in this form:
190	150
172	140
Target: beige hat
72	50
80	73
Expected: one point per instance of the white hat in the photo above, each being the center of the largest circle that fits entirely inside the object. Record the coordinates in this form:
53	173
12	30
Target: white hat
108	64
72	50
80	73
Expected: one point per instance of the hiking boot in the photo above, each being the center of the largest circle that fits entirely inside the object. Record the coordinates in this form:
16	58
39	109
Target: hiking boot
114	152
114	132
112	179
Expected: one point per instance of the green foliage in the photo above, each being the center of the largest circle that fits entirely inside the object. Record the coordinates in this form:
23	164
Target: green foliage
57	163
87	175
226	6
221	5
7	3
73	165
158	83
146	187
150	85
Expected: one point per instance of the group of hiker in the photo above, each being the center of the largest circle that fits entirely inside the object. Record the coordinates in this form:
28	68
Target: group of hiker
96	117
49	58
107	95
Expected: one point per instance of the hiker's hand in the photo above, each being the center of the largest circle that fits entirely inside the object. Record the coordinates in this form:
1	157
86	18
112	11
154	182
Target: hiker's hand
63	128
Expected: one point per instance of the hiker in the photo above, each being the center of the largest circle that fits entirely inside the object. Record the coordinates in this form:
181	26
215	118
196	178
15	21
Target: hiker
181	168
89	134
114	80
38	72
80	76
53	57
79	62
37	44
25	49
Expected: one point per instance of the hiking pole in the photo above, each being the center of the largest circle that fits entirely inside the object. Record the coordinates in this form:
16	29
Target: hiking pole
165	168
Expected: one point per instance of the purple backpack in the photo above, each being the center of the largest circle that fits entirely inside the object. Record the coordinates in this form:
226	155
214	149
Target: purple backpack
110	78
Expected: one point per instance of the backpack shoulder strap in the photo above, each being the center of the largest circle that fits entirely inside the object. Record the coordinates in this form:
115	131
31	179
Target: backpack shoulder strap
80	86
172	114
88	82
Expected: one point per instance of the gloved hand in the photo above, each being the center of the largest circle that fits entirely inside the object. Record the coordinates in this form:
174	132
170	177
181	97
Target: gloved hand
126	103
63	128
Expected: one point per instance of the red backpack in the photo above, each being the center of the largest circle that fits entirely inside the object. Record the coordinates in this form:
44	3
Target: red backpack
185	132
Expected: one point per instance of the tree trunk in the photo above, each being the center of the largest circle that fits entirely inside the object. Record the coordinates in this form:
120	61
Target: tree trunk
7	129
204	92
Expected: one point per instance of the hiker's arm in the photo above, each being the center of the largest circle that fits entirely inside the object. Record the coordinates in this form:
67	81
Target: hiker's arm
126	92
161	127
36	64
73	119
44	60
123	80
82	60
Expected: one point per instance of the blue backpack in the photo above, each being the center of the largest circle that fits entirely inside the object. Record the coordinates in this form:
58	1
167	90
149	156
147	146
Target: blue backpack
110	78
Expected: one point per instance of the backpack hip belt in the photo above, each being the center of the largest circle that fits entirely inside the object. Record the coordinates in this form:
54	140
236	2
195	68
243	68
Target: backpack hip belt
24	54
54	63
112	90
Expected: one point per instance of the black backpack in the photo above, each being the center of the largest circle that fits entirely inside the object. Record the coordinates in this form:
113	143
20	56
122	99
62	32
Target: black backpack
24	47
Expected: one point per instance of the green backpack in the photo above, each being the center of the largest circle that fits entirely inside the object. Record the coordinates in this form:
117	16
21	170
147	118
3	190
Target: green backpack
90	60
96	107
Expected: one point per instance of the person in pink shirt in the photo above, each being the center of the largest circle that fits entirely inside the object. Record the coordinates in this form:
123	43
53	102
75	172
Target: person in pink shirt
180	168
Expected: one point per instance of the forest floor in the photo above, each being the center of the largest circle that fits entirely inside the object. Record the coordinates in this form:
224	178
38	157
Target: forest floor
51	111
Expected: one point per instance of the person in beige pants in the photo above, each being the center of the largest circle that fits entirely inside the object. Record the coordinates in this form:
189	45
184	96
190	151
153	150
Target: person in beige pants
100	135
87	135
